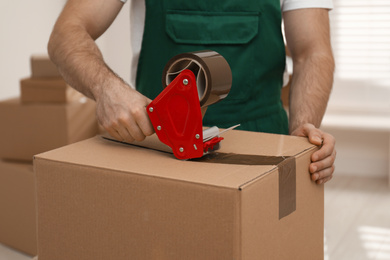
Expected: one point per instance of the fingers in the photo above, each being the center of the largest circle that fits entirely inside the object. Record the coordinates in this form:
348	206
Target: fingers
314	134
326	162
124	116
125	134
322	166
327	148
323	180
134	126
323	175
112	132
129	124
142	126
117	131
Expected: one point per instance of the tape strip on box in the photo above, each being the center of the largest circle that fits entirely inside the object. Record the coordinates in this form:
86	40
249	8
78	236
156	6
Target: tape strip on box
287	174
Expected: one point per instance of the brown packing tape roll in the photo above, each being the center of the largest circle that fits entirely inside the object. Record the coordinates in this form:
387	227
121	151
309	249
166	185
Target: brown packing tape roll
212	72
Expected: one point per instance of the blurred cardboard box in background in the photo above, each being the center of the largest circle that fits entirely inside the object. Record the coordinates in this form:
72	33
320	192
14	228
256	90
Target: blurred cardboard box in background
46	90
18	207
42	66
49	114
31	129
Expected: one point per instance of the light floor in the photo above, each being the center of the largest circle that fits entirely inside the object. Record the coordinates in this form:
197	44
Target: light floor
357	220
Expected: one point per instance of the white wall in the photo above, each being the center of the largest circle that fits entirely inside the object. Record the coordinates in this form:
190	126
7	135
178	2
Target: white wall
25	27
115	44
361	152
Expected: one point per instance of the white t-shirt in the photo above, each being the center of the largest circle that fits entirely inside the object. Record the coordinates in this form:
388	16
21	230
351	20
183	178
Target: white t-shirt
137	23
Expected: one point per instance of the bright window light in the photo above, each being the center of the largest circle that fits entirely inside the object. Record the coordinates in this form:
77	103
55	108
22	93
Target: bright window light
376	241
360	31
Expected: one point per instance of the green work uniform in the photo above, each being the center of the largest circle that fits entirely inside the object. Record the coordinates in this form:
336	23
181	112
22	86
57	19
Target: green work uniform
246	33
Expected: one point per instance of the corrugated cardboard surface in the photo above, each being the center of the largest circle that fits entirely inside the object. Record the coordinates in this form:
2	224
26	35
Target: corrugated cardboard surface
297	236
18	207
103	200
27	130
46	90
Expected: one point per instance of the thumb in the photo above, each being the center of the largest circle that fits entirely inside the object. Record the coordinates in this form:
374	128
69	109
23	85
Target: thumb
315	136
311	132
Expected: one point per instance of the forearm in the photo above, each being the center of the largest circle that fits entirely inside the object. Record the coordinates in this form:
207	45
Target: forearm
310	88
73	49
79	60
308	39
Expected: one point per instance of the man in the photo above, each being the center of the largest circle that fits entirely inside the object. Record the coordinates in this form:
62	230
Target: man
246	33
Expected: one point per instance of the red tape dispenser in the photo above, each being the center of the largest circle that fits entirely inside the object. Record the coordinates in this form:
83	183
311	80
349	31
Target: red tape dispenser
192	82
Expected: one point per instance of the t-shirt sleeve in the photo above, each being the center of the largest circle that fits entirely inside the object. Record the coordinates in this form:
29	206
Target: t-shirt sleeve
288	5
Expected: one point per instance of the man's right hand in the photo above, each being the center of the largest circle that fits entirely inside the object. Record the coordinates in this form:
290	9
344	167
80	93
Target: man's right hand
121	110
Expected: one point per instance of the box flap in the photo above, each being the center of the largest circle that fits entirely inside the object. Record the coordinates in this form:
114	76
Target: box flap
245	142
101	153
264	144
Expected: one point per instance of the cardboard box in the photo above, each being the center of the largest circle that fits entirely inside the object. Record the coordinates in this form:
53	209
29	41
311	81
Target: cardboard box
27	130
47	90
254	199
18	207
43	67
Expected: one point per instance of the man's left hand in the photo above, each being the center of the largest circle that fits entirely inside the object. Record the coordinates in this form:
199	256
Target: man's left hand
322	161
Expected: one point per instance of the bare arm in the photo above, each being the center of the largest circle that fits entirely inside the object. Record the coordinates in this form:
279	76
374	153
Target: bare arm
307	35
120	109
72	46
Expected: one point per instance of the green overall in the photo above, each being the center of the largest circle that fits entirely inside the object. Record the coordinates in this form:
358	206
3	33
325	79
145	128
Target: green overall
246	33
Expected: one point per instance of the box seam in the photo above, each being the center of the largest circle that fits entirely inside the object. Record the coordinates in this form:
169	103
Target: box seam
134	173
242	186
305	151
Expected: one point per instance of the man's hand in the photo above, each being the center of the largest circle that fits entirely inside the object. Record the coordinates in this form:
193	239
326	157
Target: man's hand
322	165
122	113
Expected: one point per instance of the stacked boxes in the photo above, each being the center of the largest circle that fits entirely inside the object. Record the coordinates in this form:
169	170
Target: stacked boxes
45	84
18	206
42	67
48	114
51	90
31	129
